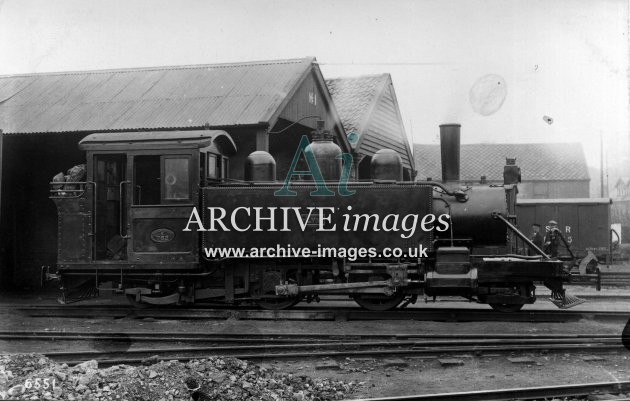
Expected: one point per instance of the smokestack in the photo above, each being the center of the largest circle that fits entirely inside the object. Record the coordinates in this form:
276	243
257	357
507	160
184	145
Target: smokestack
449	145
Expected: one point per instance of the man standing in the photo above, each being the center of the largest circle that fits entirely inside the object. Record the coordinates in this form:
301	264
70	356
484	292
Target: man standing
552	239
536	238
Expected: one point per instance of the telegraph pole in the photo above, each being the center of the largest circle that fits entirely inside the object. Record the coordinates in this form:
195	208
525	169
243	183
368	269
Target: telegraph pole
601	165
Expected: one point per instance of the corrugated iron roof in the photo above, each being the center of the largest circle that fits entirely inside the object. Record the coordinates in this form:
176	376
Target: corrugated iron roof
148	98
538	161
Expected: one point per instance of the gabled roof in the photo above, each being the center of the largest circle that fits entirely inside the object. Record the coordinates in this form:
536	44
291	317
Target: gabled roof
622	183
368	108
538	161
179	97
354	97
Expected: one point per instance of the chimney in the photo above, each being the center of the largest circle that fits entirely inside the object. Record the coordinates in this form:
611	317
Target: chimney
449	145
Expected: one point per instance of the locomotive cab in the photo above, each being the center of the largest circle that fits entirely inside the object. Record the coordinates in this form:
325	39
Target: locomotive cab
139	192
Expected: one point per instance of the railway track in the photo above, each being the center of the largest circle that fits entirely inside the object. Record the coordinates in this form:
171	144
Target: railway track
134	348
603	279
318	313
303	352
257	337
528	393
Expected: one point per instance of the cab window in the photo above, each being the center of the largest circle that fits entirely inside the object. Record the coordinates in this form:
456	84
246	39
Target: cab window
147	180
176	178
217	167
161	179
212	166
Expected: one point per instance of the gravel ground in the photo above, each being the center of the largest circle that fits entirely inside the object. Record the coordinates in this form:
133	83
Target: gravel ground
407	376
35	377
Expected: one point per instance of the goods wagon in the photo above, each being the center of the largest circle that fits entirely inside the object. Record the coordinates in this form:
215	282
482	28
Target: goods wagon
584	223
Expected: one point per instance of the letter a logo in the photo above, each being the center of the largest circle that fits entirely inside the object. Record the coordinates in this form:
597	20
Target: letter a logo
313	171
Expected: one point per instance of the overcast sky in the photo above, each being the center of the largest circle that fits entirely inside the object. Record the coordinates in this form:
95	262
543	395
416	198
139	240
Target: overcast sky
564	59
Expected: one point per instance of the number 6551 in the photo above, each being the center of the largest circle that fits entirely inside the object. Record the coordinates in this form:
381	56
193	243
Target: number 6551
40	383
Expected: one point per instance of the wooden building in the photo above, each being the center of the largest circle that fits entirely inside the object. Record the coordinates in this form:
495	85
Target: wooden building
369	111
265	105
548	170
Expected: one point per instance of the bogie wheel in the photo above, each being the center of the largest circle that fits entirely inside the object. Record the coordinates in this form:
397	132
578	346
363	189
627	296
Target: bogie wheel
507	308
378	302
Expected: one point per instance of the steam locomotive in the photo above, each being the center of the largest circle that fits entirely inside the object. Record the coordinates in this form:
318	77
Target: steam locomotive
156	219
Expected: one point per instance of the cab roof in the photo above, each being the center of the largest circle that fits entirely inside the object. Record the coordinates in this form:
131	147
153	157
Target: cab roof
154	140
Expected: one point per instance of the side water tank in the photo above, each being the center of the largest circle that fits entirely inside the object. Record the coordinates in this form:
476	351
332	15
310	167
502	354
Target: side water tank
326	154
386	165
260	166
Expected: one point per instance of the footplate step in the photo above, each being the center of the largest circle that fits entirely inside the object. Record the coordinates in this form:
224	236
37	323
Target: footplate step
566	301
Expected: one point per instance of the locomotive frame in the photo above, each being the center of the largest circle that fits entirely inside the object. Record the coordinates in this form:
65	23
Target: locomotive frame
124	224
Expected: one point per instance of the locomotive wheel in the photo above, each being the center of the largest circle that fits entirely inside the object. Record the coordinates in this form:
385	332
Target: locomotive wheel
144	305
270	278
277	303
379	303
507	308
138	305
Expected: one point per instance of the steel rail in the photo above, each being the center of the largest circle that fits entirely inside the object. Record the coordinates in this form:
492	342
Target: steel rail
153	335
271	343
306	305
327	313
570	390
301	351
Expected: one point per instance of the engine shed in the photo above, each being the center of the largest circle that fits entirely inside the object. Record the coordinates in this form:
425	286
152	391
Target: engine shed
265	105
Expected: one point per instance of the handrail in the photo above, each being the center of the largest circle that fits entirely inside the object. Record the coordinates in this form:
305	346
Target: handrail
612	247
460	196
94	219
566	244
450	213
75	193
122	208
499	216
612	230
